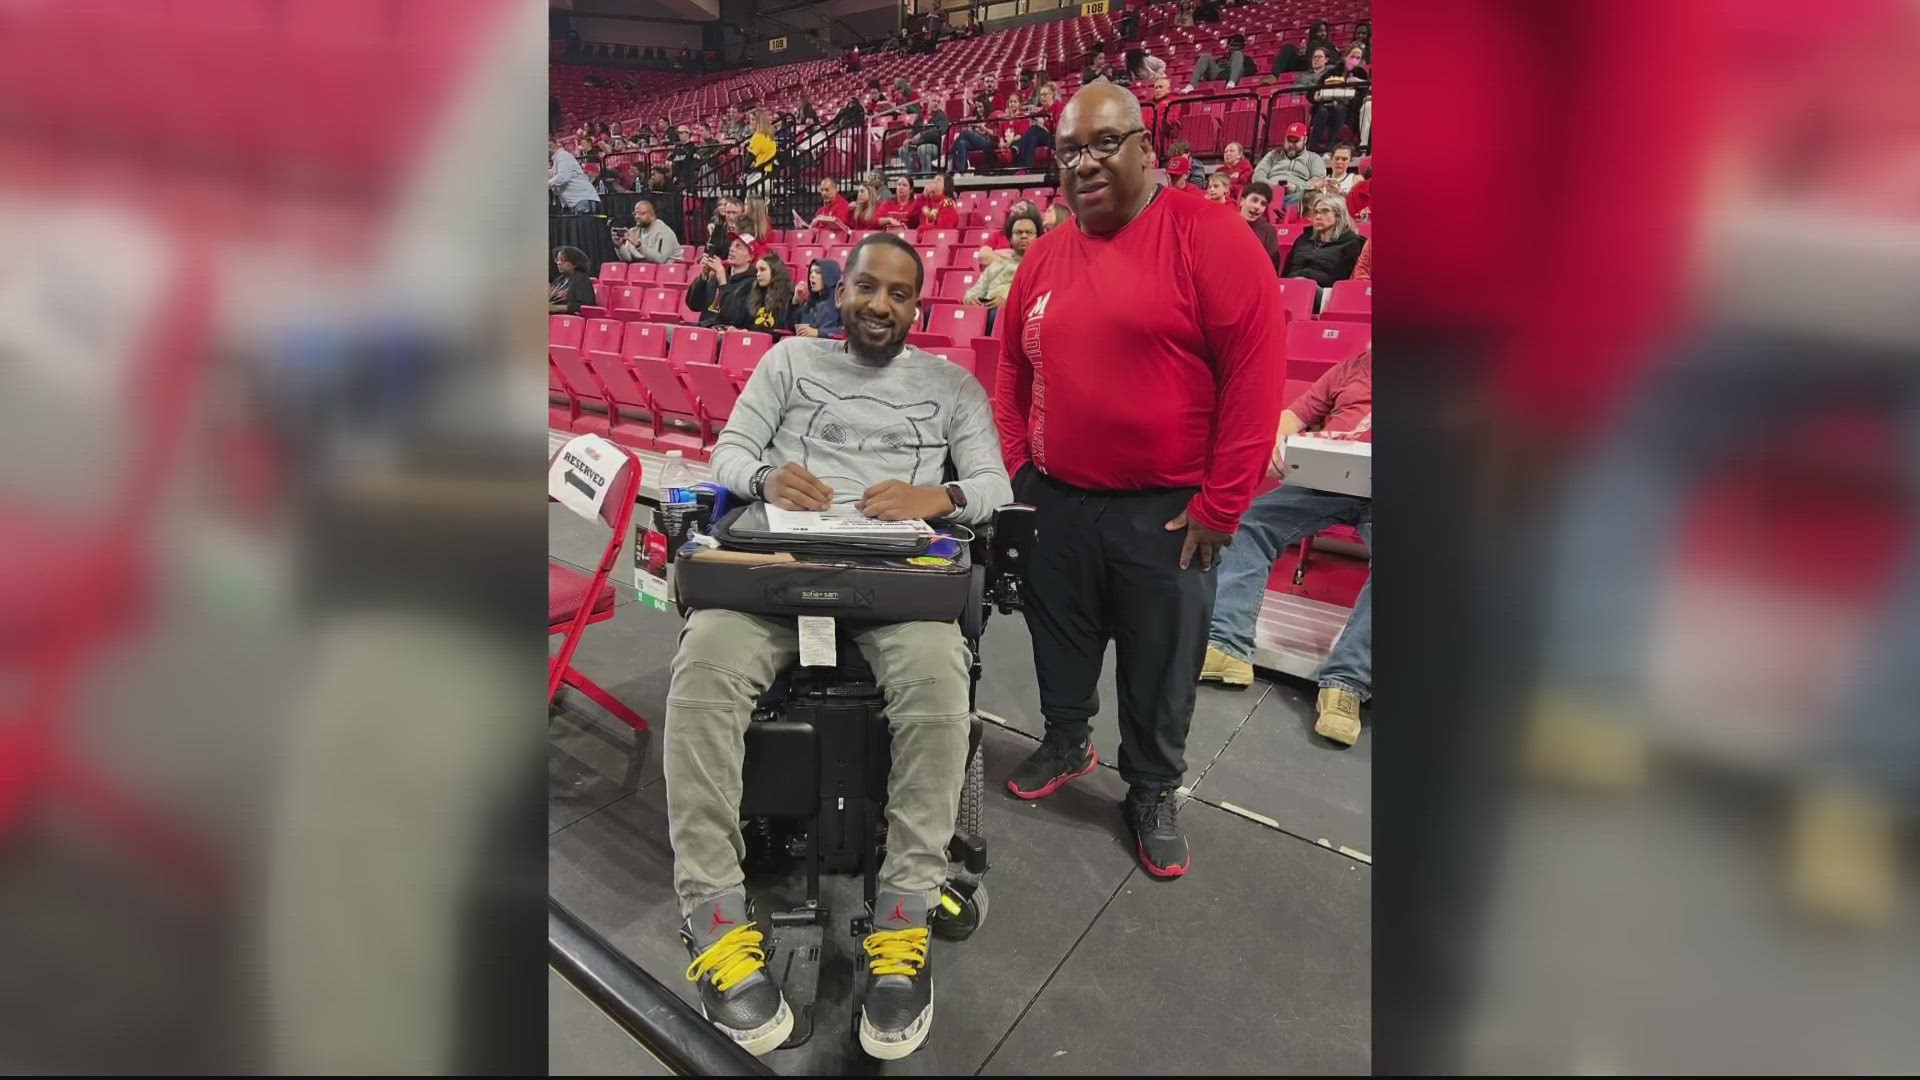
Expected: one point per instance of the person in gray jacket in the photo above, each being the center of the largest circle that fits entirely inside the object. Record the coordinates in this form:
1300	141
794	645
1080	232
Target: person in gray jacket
868	423
1291	167
650	239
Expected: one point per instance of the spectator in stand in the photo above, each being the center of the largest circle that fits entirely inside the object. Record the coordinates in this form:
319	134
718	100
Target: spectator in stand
816	311
1340	178
1337	91
726	222
835	214
762	150
723	292
1291	167
755	220
986	254
1057	216
922	149
1253	209
1179	166
566	179
1096	69
1340	405
1237	67
1162	345
1236	167
1047	105
974	135
573	287
1363	270
1143	67
936	208
1363	37
807	114
1012	126
897	212
772	294
866	208
990	290
1360	199
1219	188
650	240
1328	251
1319	65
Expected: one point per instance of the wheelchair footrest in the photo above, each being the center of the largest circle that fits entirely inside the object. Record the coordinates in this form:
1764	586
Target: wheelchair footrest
794	953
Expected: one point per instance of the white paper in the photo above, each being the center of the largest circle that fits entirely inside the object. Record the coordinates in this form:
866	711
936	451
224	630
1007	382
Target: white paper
817	647
582	472
840	521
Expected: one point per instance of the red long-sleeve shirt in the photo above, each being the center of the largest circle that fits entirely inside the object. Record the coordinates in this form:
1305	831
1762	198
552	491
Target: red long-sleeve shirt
836	215
1151	358
931	214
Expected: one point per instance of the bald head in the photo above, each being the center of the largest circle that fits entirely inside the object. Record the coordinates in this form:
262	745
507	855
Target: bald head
1104	157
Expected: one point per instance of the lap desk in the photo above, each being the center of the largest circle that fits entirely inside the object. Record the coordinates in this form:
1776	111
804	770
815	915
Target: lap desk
1344	466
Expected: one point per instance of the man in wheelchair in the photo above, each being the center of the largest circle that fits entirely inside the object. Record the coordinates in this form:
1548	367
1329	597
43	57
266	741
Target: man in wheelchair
871	422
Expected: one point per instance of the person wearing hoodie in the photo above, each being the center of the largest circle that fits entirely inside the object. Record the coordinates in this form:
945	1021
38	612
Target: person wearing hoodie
723	292
1330	250
819	314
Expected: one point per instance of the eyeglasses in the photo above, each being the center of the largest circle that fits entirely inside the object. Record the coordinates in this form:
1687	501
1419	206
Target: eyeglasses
1101	148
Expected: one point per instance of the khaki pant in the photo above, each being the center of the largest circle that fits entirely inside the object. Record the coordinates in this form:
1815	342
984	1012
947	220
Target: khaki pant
727	660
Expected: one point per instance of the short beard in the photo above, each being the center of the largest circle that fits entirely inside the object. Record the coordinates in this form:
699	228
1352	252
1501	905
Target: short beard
879	355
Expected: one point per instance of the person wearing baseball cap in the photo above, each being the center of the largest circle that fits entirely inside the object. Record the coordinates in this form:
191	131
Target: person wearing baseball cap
722	293
1291	167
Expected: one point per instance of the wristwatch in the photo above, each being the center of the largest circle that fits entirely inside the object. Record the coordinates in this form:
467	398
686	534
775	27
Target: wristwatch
958	496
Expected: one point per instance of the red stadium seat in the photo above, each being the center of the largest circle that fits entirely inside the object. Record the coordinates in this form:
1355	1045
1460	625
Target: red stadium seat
961	256
800	237
561	405
664	304
1352	301
694	345
565	330
631	418
672	405
958	354
975	237
588	393
627	302
939	237
959	322
590	312
1315	345
644	339
673	274
613	271
841	255
986	361
805	254
955	281
740	353
713	391
602	336
643	273
1298	294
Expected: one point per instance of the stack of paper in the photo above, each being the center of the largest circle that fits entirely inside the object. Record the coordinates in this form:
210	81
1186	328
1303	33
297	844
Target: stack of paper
840	521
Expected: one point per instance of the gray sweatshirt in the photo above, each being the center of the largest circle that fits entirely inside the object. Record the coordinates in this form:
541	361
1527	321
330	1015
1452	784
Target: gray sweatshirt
657	245
854	424
1279	170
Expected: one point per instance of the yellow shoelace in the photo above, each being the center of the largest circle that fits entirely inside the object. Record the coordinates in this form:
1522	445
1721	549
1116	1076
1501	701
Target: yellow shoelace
734	957
897	952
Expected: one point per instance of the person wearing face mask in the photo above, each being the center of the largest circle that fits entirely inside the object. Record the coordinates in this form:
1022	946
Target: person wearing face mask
1337	91
1138	430
816	309
1291	167
722	294
872	423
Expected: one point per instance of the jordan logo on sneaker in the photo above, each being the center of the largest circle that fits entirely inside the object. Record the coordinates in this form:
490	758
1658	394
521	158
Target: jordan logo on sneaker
718	922
899	912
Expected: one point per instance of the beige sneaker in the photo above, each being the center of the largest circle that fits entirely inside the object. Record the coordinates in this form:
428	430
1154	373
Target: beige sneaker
1224	669
1586	744
1339	715
1842	858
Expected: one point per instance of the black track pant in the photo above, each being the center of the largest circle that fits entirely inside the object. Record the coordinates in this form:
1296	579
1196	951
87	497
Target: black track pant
1105	567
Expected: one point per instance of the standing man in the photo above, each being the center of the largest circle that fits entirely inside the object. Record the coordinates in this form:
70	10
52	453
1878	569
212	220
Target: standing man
569	181
1139	432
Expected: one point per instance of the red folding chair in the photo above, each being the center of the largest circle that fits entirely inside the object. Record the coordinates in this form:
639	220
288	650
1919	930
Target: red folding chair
1352	301
575	600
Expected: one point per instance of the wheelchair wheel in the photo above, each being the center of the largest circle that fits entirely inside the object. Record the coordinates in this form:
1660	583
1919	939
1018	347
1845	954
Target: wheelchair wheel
959	913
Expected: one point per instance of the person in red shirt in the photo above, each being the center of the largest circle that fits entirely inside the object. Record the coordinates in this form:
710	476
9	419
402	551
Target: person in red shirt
897	212
1141	371
1234	163
1340	405
936	208
835	214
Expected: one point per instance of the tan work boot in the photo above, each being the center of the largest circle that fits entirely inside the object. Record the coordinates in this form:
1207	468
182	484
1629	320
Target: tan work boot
1579	742
1842	855
1339	715
1224	669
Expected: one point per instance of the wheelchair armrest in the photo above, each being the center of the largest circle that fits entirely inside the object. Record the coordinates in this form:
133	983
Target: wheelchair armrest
1009	548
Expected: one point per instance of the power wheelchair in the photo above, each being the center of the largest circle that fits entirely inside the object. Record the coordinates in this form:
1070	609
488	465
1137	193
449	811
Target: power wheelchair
814	783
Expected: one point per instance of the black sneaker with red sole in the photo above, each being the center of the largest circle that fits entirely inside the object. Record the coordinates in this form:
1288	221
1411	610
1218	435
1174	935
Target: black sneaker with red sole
1152	813
1054	762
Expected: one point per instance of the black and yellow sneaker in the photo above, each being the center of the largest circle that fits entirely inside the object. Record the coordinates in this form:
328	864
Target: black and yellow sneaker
737	992
896	1010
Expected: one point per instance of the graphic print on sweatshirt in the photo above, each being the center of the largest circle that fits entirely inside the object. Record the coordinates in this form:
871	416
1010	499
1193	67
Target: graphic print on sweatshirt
896	441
